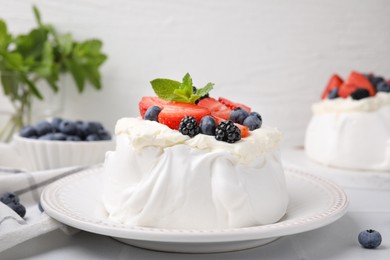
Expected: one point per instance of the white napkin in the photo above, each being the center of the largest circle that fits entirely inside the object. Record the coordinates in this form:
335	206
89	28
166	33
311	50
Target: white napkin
28	185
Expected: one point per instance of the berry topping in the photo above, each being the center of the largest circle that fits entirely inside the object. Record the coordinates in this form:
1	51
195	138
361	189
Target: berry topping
256	114
9	197
208	125
238	115
152	113
334	93
189	126
370	238
346	90
334	82
383	87
360	81
147	102
92	137
233	105
73	138
216	108
56	123
253	122
374	80
226	131
18	208
172	114
360	93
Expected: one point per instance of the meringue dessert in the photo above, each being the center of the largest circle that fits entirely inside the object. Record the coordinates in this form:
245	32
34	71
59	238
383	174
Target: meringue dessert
350	126
203	165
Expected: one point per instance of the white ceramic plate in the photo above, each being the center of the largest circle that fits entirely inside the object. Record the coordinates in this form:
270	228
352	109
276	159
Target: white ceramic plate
75	201
378	180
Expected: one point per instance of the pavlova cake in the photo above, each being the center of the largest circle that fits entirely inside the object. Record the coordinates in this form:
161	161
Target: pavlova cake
194	162
350	126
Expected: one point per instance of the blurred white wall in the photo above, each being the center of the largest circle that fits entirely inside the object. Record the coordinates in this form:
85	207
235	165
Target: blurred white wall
275	56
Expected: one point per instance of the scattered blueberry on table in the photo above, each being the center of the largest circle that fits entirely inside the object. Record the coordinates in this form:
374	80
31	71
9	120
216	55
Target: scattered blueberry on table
12	200
60	129
370	238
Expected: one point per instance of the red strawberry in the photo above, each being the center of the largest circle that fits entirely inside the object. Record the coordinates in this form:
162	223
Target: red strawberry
360	81
147	102
173	112
233	105
244	129
216	108
346	89
334	82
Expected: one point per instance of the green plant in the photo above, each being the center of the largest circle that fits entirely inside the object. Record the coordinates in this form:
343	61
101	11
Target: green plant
42	55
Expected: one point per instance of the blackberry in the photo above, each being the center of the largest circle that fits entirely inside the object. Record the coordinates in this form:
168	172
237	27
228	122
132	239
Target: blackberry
360	93
226	131
189	126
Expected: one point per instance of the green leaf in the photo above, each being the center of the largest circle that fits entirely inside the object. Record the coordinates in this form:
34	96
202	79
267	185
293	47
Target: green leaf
181	92
93	75
5	37
31	87
164	88
65	43
37	15
77	74
13	61
10	83
32	44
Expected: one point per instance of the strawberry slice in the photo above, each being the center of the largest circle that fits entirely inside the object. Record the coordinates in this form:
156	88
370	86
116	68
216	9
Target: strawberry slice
346	89
233	105
216	108
147	102
173	112
244	129
334	82
361	81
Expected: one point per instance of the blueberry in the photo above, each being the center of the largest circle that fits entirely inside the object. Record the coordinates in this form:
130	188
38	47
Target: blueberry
18	208
375	80
47	137
93	128
55	122
9	197
58	137
208	125
238	115
256	114
383	87
44	127
68	127
73	138
92	137
152	113
370	238
360	93
334	93
28	132
253	122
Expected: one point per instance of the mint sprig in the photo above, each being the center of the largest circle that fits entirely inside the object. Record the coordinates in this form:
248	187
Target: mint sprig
172	90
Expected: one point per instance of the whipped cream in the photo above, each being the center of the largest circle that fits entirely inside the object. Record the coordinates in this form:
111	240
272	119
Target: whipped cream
197	183
145	133
353	135
349	105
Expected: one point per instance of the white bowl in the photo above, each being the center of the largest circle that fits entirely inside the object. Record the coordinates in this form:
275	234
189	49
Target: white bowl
46	154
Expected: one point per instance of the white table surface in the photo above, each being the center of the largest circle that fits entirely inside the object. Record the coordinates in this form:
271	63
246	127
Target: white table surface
369	209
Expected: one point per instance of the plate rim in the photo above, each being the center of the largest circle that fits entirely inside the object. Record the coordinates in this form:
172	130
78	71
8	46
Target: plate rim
53	208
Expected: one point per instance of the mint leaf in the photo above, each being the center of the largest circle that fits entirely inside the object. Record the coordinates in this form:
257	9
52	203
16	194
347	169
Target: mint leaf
172	90
164	88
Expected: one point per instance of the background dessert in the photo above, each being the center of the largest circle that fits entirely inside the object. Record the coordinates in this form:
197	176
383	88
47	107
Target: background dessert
350	126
